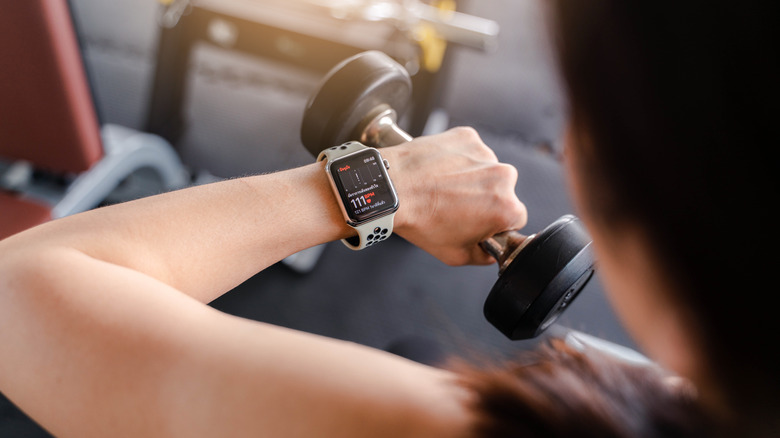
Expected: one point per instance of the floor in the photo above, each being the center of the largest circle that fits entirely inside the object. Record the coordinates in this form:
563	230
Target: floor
236	127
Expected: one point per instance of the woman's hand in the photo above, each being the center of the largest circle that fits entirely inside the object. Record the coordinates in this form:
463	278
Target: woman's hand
453	194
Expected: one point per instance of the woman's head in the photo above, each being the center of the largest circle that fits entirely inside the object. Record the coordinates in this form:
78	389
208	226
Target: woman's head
671	112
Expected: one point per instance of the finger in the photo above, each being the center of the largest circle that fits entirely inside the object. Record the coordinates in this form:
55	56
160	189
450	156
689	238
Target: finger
480	257
519	214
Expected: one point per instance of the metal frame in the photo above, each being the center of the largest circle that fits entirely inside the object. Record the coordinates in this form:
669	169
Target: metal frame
251	24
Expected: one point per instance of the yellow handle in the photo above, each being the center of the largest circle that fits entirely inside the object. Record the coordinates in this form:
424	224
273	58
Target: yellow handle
433	46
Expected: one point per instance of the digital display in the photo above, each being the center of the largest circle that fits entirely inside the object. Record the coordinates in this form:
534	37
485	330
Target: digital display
362	181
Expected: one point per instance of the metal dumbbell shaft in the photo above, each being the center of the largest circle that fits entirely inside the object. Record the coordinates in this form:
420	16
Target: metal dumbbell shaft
382	130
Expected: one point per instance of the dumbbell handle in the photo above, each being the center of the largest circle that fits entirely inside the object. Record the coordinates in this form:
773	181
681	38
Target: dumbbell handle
382	130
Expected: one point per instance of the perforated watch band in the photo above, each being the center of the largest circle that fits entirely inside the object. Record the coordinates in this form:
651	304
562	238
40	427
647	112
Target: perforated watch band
341	150
369	233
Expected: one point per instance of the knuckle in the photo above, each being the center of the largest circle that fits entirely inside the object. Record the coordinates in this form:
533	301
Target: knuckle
507	172
486	153
470	137
466	133
511	215
518	215
503	179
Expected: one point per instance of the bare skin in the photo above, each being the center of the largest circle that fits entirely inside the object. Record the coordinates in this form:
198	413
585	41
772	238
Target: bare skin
106	331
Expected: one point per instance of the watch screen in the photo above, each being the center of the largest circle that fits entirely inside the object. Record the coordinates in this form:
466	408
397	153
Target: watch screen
362	181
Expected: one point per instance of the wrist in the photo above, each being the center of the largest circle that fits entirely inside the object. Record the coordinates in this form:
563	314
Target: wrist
397	157
327	214
364	192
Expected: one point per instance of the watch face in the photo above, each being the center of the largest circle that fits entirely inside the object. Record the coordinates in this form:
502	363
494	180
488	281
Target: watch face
363	184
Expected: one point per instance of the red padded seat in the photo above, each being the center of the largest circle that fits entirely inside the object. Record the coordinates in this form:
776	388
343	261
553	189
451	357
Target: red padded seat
47	114
48	122
18	214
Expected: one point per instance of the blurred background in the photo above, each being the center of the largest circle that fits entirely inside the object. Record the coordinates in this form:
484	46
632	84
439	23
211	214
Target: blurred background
226	82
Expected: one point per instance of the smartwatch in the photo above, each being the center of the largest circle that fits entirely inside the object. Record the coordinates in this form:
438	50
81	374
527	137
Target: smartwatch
368	201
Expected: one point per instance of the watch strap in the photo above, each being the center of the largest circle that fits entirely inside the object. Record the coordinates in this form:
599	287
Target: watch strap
371	232
340	151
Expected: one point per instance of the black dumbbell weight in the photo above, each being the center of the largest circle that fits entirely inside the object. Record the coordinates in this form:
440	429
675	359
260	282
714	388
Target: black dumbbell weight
539	275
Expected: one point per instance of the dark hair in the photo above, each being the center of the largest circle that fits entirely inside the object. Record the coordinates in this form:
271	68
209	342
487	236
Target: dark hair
674	105
558	391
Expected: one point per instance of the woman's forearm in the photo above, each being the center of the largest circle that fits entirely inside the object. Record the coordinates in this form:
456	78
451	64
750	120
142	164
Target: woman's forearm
205	240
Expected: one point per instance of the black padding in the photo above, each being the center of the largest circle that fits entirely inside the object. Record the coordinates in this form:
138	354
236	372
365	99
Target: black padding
542	280
348	93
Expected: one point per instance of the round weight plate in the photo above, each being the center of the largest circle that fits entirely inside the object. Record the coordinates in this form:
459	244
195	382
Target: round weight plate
542	280
348	93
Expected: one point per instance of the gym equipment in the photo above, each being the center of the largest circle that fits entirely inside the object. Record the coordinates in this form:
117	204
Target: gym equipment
56	159
305	36
360	99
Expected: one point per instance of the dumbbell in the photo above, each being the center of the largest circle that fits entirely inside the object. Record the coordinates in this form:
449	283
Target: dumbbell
539	275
